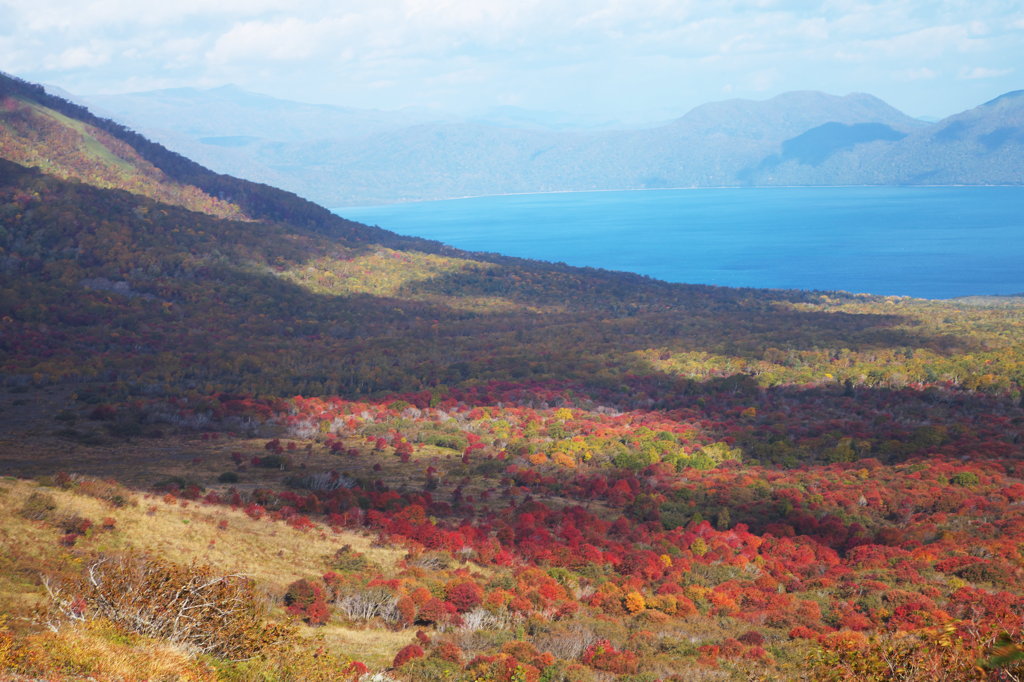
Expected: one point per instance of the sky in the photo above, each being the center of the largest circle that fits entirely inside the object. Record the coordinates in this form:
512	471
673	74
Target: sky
620	59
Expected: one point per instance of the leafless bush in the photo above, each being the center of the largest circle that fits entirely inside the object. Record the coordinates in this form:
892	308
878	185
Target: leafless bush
584	591
38	507
302	429
187	605
431	561
373	602
326	480
568	642
483	619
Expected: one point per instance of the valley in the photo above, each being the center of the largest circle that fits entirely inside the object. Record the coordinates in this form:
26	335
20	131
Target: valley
377	457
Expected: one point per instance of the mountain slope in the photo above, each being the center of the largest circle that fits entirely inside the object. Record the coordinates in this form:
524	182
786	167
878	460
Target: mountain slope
93	137
420	464
984	145
34	135
788	115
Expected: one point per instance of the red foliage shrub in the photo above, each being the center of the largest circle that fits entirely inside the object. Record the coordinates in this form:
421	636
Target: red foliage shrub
755	653
731	648
708	654
75	524
463	595
753	638
306	600
354	670
601	655
406	610
317	613
435	611
853	620
519	649
843	639
566	609
299	522
449	651
407	654
333	582
502	668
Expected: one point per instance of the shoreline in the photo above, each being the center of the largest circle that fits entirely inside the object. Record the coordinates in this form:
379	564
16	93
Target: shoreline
402	202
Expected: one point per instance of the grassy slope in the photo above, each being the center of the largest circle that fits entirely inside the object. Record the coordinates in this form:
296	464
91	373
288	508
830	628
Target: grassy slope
271	553
37	136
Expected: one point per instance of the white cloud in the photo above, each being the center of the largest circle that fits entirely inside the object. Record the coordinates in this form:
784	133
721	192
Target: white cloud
550	53
80	15
977	72
924	43
80	57
455	15
289	40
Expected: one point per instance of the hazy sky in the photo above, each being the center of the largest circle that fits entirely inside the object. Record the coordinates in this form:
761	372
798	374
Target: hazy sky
623	58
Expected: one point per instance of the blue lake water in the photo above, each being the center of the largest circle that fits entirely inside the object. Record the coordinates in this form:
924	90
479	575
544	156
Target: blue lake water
929	242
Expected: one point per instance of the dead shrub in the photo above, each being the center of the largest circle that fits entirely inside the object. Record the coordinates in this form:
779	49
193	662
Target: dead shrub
38	507
191	606
431	561
372	602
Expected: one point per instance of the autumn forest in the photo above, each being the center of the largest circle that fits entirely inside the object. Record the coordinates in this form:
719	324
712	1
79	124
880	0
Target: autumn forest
245	439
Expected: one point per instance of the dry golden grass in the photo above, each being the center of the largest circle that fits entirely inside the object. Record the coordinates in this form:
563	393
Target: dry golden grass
26	548
270	552
103	653
375	647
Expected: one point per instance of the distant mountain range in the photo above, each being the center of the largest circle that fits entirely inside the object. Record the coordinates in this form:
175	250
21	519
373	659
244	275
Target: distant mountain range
337	156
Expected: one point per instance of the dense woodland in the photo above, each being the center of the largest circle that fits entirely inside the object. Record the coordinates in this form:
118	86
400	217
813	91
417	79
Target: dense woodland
374	457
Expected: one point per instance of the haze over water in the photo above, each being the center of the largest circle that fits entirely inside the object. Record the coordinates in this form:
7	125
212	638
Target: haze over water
928	242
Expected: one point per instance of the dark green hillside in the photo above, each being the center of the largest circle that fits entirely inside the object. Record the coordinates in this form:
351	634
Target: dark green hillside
320	305
314	315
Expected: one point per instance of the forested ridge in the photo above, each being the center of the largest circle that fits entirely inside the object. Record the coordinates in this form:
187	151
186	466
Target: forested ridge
380	456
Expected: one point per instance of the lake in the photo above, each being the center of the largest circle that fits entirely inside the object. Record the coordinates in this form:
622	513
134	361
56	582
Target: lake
928	242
